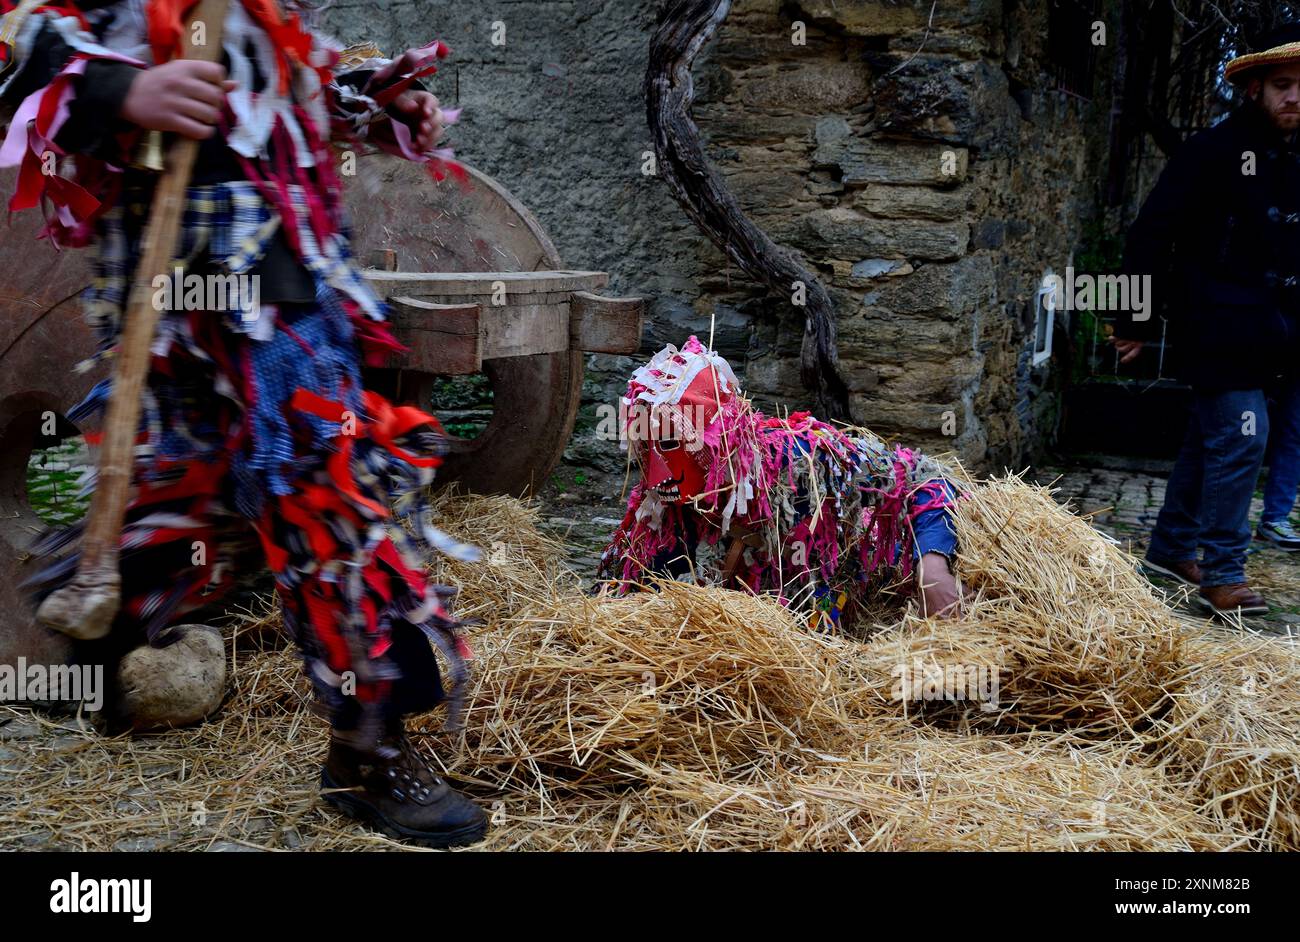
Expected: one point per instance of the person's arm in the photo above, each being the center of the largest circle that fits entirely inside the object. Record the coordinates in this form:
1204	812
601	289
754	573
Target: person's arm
65	94
48	46
50	112
940	593
37	55
1149	246
95	125
934	548
912	500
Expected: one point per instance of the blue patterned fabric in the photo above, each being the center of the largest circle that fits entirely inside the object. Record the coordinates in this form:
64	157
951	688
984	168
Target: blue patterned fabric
233	225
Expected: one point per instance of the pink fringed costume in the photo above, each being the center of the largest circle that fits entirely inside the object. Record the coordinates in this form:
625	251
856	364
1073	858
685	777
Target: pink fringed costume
820	516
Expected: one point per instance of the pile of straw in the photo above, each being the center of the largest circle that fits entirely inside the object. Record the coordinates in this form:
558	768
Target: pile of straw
1085	638
903	788
694	717
520	565
577	685
246	778
915	788
703	718
1081	640
1234	733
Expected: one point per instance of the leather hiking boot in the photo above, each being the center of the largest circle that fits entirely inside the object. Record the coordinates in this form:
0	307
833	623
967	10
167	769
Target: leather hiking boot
396	791
1187	572
1235	599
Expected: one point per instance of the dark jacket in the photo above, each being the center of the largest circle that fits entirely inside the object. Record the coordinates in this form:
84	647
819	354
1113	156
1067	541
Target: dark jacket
1222	246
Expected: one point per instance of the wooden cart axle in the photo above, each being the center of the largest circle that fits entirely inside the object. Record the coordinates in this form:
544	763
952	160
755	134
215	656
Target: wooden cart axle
453	322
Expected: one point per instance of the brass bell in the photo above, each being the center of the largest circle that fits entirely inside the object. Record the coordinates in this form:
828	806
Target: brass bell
150	156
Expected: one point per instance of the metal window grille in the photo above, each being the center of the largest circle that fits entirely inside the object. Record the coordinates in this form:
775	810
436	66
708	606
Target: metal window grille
1070	50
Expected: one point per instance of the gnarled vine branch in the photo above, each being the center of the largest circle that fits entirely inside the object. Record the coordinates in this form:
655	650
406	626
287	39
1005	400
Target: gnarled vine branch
684	27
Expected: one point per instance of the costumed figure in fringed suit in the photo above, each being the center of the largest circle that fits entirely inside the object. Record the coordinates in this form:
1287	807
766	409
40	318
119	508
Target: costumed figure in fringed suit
824	518
258	441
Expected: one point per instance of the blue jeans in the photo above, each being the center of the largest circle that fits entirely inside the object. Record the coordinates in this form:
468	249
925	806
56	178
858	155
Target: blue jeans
934	530
1284	460
1207	502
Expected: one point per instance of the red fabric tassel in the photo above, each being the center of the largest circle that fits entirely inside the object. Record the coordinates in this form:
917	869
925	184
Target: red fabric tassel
292	43
166	22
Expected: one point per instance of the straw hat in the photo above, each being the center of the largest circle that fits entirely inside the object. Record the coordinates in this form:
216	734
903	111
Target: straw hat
1276	47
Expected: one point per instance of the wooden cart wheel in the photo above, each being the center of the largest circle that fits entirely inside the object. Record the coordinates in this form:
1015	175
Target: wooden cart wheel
440	227
42	335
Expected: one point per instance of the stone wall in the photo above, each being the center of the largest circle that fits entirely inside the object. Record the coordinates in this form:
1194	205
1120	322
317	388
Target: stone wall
929	189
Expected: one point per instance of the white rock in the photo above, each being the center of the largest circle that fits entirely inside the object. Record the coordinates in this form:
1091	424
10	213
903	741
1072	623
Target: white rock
178	685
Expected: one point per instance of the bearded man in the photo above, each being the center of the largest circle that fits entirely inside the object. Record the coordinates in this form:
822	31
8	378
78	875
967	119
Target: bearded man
1220	238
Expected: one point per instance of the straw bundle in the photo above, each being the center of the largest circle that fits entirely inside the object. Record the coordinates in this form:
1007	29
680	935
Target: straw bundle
914	668
895	786
578	686
916	788
520	565
1234	733
1082	640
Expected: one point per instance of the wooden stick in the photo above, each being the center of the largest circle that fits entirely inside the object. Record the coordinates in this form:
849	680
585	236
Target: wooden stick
86	606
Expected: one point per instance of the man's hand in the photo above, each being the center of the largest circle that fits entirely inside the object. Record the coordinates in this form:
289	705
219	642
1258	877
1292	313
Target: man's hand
420	113
1127	349
417	110
940	595
182	96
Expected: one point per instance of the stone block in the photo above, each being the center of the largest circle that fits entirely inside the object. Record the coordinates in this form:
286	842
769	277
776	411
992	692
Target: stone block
872	159
843	232
913	202
946	290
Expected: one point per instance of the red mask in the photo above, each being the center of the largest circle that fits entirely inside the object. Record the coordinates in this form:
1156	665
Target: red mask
673	472
675	459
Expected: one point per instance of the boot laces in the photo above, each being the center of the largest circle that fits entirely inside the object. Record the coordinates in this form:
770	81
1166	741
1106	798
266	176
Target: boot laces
408	773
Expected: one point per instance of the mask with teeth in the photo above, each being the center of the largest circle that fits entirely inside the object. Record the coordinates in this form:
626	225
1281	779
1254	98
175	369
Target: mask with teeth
671	471
672	402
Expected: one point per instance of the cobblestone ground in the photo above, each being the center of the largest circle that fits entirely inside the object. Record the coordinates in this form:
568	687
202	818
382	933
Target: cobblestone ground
581	509
1124	503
